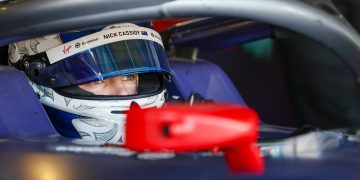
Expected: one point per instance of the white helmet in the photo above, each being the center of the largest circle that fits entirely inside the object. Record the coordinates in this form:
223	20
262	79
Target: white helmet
57	66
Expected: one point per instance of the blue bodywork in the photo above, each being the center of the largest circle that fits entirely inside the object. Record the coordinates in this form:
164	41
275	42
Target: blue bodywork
320	155
22	117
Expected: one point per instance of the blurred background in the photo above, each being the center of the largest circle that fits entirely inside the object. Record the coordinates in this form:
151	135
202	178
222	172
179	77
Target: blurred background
294	81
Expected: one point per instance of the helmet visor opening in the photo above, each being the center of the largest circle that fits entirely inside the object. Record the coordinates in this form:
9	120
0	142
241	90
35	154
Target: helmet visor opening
114	88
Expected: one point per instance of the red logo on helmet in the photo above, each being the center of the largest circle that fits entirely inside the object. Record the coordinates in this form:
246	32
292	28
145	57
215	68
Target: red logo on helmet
66	49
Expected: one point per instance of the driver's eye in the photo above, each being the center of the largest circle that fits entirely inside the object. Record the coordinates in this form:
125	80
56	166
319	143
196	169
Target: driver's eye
127	77
96	82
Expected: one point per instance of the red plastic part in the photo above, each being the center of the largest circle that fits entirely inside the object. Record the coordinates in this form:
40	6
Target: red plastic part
181	128
161	25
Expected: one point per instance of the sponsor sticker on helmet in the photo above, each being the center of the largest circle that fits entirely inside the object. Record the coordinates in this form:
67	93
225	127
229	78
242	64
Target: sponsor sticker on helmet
101	38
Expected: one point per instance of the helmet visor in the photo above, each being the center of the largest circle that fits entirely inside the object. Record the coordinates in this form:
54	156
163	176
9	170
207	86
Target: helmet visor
99	63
